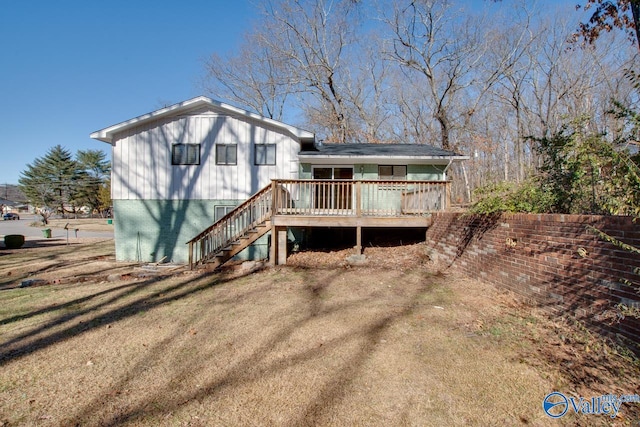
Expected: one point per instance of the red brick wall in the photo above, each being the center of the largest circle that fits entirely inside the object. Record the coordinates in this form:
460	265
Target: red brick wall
551	260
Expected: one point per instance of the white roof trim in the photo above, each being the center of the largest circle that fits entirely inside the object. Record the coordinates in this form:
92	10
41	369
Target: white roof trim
107	134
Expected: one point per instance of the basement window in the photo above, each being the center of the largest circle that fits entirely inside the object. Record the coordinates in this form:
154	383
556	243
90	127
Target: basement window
185	154
226	154
221	211
392	173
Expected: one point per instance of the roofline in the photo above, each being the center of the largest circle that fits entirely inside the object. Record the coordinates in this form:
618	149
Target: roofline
302	156
107	134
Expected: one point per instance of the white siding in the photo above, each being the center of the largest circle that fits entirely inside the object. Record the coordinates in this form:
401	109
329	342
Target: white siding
142	159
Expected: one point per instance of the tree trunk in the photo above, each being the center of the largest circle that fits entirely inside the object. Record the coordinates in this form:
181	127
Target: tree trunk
443	120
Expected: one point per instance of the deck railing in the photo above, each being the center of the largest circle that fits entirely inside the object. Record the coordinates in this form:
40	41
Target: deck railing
319	197
360	198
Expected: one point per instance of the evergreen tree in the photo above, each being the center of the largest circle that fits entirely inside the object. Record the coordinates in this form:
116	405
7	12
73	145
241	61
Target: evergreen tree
95	170
53	181
104	198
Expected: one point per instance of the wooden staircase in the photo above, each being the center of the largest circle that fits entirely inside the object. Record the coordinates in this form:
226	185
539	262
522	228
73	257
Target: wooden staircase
234	232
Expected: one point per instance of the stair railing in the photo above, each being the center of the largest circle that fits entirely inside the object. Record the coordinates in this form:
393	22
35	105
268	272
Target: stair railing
231	227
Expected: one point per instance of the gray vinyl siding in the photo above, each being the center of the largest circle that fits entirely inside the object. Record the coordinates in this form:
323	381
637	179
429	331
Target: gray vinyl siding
370	172
425	172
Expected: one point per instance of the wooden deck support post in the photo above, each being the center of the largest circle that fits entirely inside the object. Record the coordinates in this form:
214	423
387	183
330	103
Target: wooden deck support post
278	250
358	215
447	196
272	246
280	241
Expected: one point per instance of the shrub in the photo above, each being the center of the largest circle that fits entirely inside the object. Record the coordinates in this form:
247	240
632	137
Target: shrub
13	241
528	197
588	173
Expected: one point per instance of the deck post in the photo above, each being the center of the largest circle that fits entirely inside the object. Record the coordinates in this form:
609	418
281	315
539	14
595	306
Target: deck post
273	248
274	197
358	198
358	240
281	243
447	201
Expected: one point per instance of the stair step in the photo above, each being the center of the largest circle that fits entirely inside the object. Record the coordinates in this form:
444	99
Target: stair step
234	247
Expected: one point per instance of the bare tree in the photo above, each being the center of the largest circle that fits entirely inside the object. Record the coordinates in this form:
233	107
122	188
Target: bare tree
511	58
567	83
253	77
431	42
421	71
369	97
313	39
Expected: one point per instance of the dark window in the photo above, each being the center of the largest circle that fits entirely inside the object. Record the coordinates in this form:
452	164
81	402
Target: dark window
185	154
392	172
265	154
226	154
222	211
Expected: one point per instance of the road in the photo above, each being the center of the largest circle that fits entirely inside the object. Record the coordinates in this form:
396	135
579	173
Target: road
23	226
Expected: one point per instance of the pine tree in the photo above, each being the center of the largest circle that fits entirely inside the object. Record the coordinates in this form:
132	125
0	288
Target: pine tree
53	181
96	170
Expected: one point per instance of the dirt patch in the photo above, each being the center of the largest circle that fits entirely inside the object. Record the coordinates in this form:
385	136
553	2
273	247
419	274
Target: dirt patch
319	342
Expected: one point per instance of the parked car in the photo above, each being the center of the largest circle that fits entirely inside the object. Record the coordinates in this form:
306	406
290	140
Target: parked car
9	216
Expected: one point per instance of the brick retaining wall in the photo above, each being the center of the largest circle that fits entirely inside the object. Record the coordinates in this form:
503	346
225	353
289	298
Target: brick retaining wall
551	260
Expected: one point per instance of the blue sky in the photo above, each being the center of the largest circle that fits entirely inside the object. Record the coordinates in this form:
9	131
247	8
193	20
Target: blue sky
70	67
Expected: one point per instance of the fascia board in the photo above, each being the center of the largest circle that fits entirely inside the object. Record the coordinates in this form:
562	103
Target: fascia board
107	134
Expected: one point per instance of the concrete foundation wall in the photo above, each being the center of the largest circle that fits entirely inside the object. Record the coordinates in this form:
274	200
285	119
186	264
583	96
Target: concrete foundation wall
150	230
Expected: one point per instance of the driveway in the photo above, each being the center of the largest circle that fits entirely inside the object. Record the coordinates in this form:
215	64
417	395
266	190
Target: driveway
23	226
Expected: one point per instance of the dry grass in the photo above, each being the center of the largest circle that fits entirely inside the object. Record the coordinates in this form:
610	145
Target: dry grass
84	224
288	346
58	262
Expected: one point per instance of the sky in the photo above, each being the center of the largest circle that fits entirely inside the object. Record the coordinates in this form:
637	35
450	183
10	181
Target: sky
71	67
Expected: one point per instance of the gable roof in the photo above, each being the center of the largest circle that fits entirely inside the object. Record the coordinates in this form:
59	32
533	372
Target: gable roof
108	134
376	152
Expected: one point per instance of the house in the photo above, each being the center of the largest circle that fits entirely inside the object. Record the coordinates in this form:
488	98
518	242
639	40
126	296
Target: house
6	205
203	181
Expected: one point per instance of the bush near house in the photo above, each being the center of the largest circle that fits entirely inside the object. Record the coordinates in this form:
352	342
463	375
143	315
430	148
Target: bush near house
13	241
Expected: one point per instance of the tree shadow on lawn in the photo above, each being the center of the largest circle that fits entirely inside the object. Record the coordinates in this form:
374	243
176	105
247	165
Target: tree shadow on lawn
28	244
266	361
29	342
11	279
31	243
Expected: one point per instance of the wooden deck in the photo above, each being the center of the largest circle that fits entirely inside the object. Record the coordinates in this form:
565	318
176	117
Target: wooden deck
319	203
321	220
